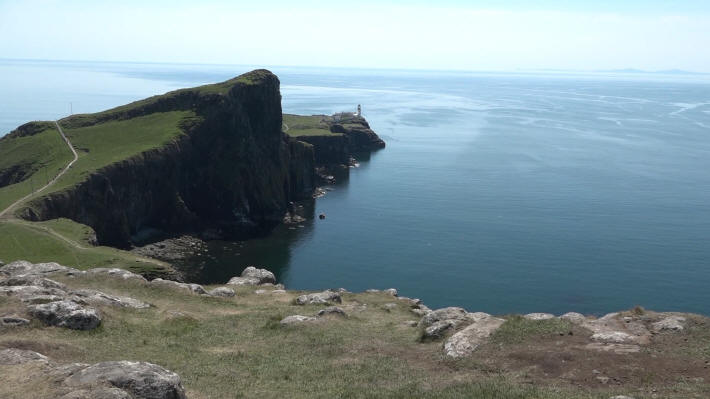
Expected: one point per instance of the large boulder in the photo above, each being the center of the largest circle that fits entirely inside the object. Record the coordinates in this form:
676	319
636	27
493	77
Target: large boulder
253	276
142	380
466	341
28	291
68	314
192	288
320	298
98	393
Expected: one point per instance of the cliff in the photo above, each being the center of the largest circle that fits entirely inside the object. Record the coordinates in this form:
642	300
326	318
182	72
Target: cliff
335	138
230	171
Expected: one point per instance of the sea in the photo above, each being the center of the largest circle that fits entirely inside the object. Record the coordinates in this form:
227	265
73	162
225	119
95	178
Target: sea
516	192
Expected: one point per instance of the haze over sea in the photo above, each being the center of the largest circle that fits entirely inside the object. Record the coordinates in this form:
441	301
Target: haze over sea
498	192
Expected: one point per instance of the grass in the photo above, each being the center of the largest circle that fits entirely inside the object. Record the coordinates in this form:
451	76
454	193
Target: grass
517	329
235	347
313	125
35	242
40	156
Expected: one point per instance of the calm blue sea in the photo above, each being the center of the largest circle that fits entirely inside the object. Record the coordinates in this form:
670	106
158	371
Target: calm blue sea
502	193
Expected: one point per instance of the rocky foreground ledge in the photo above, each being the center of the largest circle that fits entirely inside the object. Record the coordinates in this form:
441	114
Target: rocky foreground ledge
638	353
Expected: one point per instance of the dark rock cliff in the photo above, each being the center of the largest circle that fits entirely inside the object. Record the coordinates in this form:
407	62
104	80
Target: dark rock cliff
232	173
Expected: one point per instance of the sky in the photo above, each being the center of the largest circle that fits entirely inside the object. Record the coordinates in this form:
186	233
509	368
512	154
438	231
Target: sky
445	34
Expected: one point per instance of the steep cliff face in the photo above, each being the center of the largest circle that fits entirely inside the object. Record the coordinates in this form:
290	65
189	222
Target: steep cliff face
232	172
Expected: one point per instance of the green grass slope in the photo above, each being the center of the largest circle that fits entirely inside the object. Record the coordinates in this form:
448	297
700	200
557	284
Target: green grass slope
314	125
39	157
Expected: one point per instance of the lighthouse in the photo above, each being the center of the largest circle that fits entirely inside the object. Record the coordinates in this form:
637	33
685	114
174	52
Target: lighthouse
359	110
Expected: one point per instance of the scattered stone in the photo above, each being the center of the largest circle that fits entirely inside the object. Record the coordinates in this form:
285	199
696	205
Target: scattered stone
574	318
615	337
466	341
142	380
278	291
297	319
325	297
603	379
193	288
13	321
391	291
98	297
116	272
223	292
261	292
343	291
68	314
670	323
12	356
332	310
411	323
253	276
614	330
539	316
621	397
40	299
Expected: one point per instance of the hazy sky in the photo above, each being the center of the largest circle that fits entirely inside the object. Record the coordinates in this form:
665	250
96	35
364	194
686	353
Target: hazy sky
470	35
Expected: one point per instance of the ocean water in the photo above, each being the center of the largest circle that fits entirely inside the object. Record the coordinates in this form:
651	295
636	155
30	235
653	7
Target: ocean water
498	192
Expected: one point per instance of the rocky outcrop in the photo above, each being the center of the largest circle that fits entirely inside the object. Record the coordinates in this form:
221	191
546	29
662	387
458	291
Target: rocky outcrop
233	171
466	341
170	284
253	276
68	314
107	380
319	298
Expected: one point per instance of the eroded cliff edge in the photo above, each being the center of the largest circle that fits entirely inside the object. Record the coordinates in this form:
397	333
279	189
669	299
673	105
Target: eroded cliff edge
232	173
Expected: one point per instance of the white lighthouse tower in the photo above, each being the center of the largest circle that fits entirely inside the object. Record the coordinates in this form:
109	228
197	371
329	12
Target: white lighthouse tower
359	110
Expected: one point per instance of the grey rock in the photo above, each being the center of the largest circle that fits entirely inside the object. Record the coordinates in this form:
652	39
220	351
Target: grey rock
142	380
332	310
466	341
389	306
13	321
278	291
438	329
574	318
39	299
621	397
297	319
100	298
120	273
670	323
32	281
253	276
391	291
223	292
68	314
27	291
12	356
192	288
372	291
539	316
450	313
23	268
325	297
611	329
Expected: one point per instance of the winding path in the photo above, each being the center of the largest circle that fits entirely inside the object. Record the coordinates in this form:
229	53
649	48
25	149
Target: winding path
51	182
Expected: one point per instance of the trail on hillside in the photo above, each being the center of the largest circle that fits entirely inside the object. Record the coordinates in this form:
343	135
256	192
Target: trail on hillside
51	182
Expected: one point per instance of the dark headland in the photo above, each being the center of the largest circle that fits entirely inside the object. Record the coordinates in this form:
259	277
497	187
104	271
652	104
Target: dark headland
222	161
